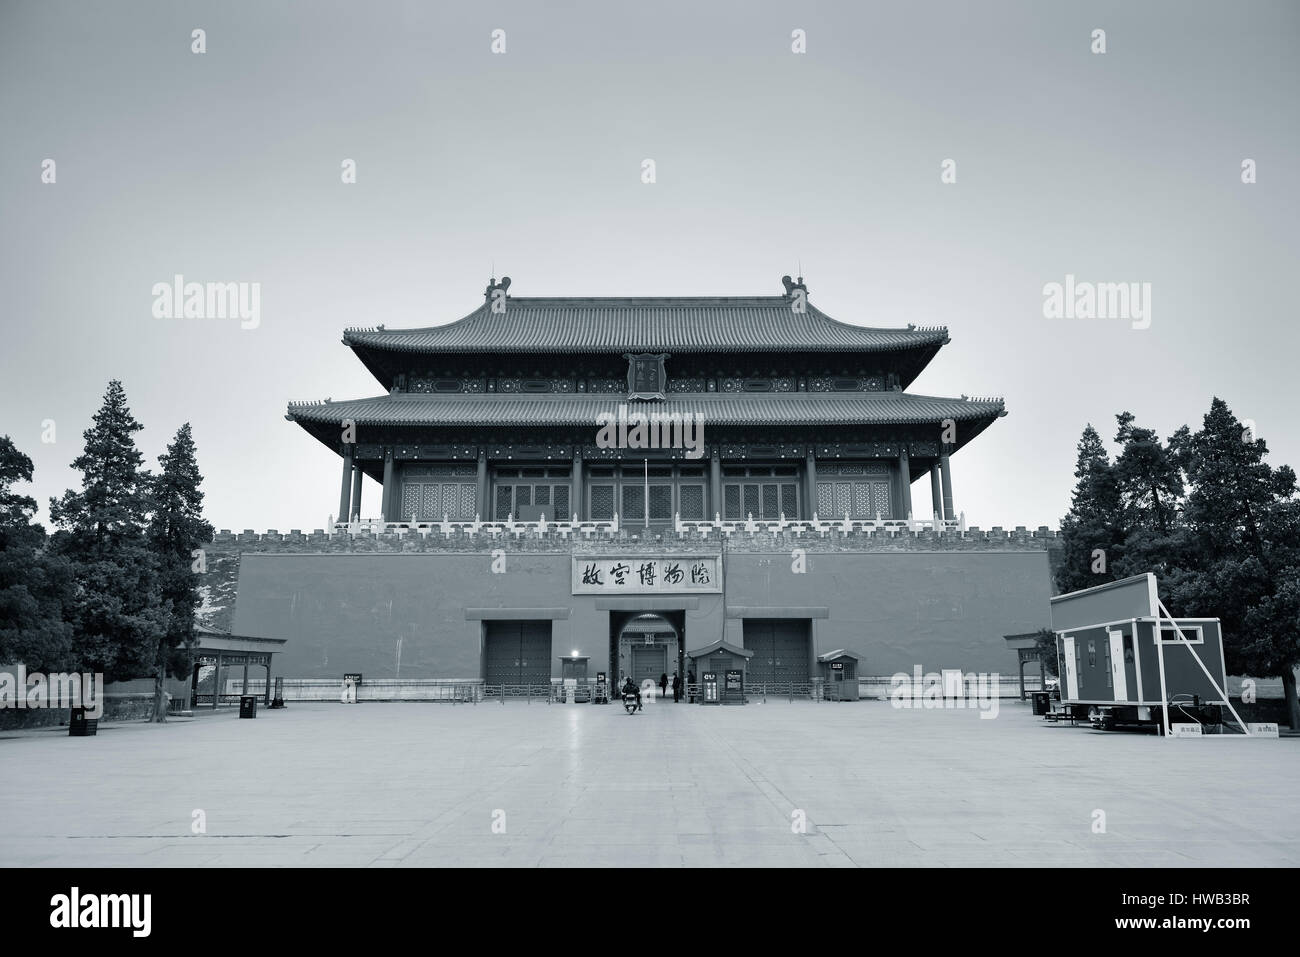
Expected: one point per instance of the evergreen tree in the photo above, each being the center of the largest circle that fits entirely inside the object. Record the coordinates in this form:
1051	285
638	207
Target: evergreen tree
1149	480
118	617
176	530
1245	521
1150	491
35	586
1091	529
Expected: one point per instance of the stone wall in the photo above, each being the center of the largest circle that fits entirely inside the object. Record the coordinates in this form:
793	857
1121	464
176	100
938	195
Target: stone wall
222	555
397	605
117	707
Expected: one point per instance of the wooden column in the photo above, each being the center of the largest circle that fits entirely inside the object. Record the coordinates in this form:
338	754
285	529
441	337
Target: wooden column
355	514
936	497
810	474
576	491
386	506
483	513
347	482
947	483
715	482
904	484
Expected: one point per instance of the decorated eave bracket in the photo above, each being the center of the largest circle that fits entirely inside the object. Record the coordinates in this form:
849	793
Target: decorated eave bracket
645	375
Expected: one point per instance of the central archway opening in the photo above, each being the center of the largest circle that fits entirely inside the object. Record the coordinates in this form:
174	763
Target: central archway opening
647	646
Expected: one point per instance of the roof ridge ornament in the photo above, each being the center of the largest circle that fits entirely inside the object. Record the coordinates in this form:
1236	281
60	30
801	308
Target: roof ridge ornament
791	285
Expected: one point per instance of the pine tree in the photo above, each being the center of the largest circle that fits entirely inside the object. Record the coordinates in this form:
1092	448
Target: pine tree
1091	530
1245	521
176	530
1151	493
1150	483
35	586
118	617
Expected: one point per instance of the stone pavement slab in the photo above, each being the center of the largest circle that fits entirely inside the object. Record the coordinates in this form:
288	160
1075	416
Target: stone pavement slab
536	785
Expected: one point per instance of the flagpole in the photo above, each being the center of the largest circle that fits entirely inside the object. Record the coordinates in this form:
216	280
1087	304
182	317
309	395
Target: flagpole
647	492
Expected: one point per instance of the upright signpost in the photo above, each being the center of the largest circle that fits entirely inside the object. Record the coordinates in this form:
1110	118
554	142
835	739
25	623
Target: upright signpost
351	682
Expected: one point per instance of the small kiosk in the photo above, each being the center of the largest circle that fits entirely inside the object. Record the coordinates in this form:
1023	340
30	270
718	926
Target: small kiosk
728	664
839	670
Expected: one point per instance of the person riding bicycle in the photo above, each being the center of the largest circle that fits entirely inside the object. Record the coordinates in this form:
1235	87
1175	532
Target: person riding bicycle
630	688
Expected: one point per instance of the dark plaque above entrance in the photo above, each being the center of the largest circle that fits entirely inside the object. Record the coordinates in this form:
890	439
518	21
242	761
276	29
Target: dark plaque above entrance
645	375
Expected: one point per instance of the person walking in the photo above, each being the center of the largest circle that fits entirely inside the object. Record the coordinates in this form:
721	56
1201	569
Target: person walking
690	682
677	688
663	685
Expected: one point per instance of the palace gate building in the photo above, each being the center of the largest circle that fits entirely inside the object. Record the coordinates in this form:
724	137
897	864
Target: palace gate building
527	526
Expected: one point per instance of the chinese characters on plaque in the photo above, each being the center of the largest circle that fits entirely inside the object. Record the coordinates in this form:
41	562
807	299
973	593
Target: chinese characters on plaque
597	575
645	375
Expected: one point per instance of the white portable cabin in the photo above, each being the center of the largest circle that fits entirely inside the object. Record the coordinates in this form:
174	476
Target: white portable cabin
1118	647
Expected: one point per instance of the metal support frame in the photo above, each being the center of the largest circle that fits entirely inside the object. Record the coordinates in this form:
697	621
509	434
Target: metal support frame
1162	613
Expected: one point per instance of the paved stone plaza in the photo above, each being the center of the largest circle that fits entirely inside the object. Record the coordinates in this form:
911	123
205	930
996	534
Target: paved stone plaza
418	784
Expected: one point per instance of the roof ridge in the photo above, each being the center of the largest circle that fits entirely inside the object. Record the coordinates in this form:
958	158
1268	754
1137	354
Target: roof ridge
883	395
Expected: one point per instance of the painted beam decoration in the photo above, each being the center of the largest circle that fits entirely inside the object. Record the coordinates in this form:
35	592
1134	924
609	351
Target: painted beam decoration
642	575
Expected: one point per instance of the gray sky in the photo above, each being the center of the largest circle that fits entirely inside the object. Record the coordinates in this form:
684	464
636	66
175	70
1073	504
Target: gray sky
226	167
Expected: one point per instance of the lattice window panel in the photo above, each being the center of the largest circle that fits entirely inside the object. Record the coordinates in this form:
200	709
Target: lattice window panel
633	502
602	503
862	500
542	496
843	499
468	500
692	502
450	495
431	510
825	499
523	495
731	500
503	501
771	506
790	501
411	501
880	493
661	502
751	502
560	496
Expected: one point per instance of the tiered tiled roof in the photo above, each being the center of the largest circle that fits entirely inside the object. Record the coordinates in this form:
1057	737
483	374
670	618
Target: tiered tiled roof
796	408
646	324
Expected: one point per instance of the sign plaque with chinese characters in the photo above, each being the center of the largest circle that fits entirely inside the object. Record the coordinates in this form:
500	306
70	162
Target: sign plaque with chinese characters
645	375
640	575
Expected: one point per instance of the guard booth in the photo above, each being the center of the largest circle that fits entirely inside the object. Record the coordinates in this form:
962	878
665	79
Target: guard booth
839	670
1123	659
729	664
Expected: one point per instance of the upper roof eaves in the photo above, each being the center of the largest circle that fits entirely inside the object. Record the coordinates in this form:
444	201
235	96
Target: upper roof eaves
643	324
